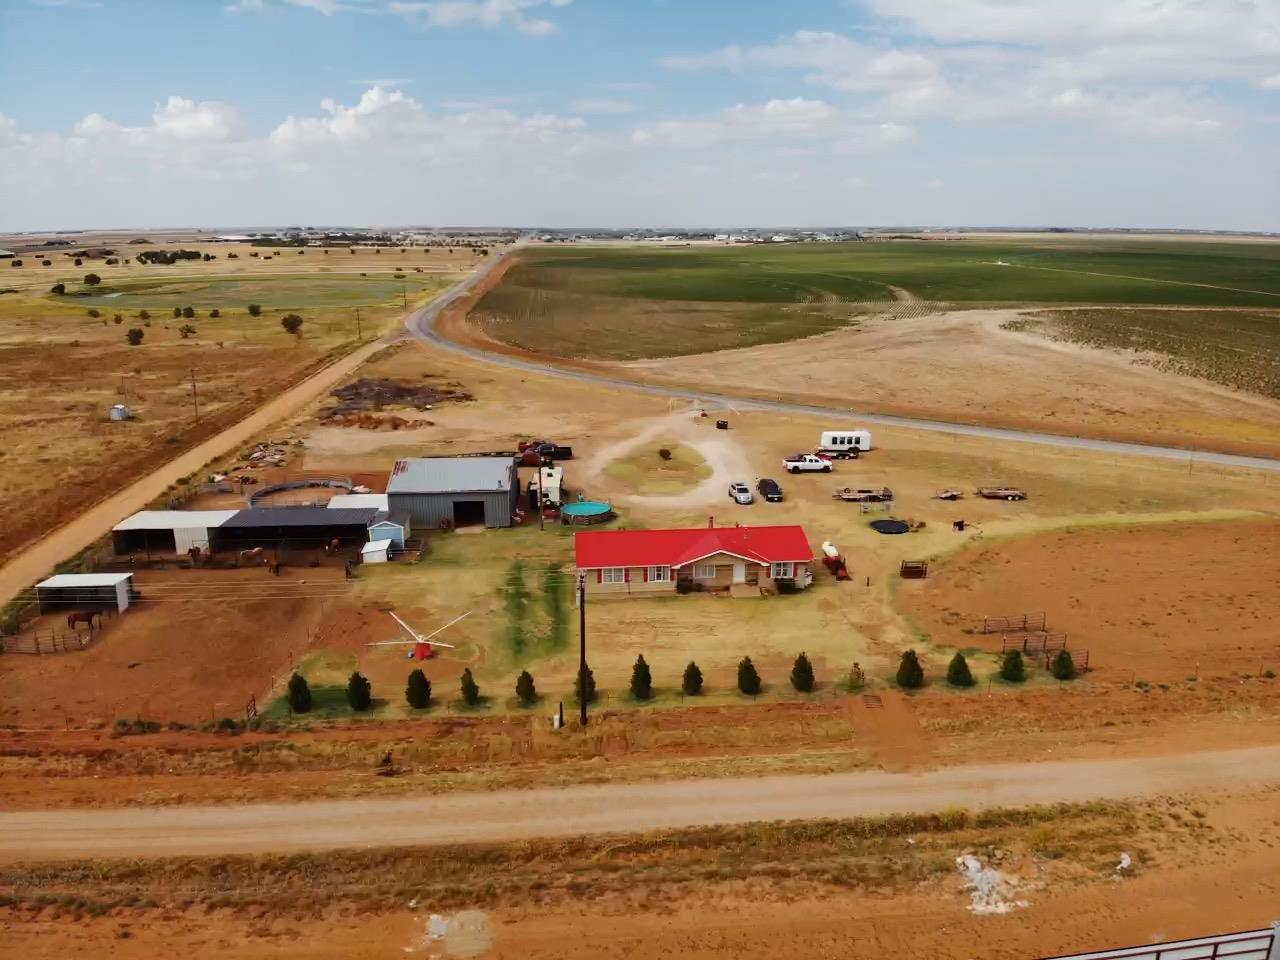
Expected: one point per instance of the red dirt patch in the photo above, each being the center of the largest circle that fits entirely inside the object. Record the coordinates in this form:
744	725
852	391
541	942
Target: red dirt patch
1154	602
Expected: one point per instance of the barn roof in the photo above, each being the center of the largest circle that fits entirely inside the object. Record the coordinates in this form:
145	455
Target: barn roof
63	581
452	475
301	517
347	500
674	548
175	519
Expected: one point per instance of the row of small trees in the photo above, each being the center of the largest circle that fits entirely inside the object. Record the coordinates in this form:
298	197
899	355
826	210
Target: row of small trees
910	676
1013	669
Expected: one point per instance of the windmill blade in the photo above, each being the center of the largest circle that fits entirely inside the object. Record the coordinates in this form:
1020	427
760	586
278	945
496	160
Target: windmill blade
392	643
418	638
445	627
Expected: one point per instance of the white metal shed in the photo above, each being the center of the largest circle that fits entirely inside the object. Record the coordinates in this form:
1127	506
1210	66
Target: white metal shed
376	551
163	531
72	591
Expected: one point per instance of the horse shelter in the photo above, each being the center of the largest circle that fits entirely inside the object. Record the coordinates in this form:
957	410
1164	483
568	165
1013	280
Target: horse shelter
167	531
85	591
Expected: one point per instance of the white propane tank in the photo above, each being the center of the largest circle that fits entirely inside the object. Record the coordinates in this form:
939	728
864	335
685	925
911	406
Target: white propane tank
830	550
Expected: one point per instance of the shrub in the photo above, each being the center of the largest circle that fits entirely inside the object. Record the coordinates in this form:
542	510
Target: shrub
802	674
134	337
691	682
958	674
584	686
79	262
1012	668
857	678
228	724
470	692
359	692
291	322
186	330
641	680
1064	668
46	263
215	313
525	690
188	313
94	312
255	310
748	678
144	315
299	694
58	288
117	319
418	691
910	673
177	312
664	453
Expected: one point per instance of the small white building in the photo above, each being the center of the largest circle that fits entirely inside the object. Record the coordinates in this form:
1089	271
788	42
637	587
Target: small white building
85	591
376	551
119	411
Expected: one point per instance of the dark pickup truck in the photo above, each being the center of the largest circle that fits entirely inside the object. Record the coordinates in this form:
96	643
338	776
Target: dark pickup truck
533	452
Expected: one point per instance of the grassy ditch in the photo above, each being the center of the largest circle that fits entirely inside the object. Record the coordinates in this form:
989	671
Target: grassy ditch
863	853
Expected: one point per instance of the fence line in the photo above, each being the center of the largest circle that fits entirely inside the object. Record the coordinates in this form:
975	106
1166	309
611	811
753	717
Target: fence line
1245	945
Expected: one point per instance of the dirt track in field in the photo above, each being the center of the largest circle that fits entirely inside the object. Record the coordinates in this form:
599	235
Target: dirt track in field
517	815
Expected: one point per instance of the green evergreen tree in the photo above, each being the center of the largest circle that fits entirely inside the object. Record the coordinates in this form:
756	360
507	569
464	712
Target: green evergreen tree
958	674
359	693
525	690
470	692
418	690
748	678
641	680
1064	668
691	682
299	694
802	674
910	673
584	684
1012	668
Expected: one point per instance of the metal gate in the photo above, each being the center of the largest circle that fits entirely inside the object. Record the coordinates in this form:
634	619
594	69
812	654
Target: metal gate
1248	945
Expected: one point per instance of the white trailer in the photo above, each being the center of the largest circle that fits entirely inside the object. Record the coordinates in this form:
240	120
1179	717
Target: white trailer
844	443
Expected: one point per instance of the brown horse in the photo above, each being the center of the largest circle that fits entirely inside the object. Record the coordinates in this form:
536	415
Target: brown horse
73	619
275	566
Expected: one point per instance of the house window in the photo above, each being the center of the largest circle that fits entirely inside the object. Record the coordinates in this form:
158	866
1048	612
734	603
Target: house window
704	571
614	575
659	574
784	571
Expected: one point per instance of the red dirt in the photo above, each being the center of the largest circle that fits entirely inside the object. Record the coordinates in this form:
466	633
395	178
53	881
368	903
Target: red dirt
1148	603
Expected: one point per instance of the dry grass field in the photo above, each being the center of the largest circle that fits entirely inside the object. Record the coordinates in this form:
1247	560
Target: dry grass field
62	368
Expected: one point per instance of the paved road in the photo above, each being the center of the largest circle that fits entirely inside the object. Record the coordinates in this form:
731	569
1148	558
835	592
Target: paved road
38	559
421	324
508	815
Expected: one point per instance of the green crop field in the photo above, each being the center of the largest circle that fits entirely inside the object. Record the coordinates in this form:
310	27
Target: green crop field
633	302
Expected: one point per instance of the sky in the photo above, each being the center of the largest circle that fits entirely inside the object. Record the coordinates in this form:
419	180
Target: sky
653	113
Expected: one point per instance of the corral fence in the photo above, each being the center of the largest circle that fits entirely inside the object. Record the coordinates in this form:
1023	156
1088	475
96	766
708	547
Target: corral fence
1045	647
307	481
1018	623
1246	945
30	638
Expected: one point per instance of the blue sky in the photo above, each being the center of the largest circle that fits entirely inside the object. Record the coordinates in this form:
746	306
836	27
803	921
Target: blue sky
134	113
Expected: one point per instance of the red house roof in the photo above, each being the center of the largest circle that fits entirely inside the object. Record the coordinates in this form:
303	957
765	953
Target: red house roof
675	548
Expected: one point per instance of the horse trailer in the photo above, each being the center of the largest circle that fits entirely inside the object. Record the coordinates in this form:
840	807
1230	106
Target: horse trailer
844	443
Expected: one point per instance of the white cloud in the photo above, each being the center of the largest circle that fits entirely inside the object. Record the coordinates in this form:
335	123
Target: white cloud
378	112
1270	83
603	105
483	13
176	119
893	133
1157	114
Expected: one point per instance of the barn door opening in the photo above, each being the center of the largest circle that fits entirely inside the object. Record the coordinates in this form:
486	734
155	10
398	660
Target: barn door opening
468	513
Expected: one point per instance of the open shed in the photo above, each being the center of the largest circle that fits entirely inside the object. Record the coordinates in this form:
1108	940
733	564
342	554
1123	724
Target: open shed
297	527
85	591
167	531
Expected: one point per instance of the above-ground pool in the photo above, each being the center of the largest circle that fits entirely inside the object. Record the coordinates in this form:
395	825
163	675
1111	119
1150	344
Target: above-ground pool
586	511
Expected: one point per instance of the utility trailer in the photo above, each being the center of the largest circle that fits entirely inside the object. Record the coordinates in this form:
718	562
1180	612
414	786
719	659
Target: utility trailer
863	494
1001	493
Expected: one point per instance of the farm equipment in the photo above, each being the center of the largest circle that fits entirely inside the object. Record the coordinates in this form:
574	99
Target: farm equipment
832	560
949	494
1001	493
863	494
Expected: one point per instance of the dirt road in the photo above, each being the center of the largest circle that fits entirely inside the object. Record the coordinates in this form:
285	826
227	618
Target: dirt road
518	814
37	560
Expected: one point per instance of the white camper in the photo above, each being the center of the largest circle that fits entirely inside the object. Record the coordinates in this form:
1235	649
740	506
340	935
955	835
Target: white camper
844	443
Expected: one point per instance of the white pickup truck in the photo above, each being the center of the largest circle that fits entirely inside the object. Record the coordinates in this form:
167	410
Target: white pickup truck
805	463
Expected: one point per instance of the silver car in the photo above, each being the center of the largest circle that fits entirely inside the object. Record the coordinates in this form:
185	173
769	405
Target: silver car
741	493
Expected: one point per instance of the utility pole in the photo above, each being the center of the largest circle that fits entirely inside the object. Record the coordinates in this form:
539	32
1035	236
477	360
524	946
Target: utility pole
582	647
357	323
404	296
195	397
538	475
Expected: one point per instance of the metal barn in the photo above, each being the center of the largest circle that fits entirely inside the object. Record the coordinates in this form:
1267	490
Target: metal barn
443	492
85	591
167	531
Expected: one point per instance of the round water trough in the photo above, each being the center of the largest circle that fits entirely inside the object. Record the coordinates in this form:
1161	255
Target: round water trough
586	511
889	526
